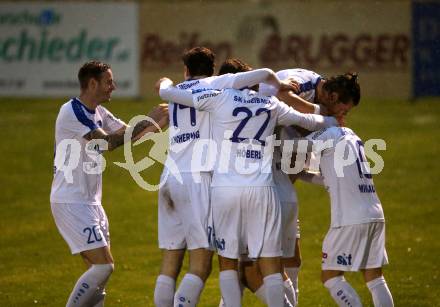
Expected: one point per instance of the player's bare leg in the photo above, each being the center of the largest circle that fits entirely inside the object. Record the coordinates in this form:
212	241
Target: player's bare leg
200	262
229	281
89	289
340	290
378	287
166	281
253	279
191	286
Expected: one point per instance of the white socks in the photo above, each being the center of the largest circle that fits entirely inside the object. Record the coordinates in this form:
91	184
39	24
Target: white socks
98	300
189	291
261	294
289	290
380	292
230	288
341	291
93	280
274	287
292	273
164	291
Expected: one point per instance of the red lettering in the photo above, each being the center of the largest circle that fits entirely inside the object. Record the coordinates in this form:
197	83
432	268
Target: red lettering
362	50
308	50
338	49
271	50
294	46
401	45
383	49
159	52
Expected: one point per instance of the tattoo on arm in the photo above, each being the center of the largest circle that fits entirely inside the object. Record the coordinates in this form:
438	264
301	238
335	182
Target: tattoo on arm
141	126
115	140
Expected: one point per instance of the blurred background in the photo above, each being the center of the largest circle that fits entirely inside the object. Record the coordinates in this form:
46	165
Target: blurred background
393	45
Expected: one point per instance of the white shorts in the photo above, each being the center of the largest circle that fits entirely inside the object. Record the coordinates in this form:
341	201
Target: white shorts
83	227
355	247
289	218
289	205
185	213
246	217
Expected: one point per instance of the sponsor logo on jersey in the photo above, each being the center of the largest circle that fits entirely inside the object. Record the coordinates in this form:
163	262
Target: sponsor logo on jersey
181	138
367	188
207	95
220	244
344	259
251	100
185	86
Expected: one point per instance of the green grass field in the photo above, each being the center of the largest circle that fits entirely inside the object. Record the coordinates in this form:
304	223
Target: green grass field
37	268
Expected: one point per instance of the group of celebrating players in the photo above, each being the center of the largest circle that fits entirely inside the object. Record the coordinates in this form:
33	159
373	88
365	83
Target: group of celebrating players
239	202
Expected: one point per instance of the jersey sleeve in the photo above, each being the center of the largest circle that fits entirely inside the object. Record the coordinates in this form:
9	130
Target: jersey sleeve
206	100
325	134
168	92
72	118
325	139
267	90
110	123
222	81
242	79
288	116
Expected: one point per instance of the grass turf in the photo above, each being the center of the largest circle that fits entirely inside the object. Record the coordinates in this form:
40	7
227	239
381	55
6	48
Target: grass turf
37	268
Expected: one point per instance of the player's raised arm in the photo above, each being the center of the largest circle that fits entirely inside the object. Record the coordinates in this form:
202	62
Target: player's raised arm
262	75
159	114
288	116
298	103
168	92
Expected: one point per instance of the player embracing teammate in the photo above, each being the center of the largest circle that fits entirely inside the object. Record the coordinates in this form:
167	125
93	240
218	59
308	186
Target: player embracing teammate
240	201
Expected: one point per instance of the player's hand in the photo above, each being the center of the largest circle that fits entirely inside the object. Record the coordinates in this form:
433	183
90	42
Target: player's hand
160	114
163	79
289	85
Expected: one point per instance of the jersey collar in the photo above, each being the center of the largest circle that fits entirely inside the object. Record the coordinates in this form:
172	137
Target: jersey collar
76	99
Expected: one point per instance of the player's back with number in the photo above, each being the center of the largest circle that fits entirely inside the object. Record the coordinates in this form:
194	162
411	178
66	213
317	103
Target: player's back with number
352	191
243	117
187	124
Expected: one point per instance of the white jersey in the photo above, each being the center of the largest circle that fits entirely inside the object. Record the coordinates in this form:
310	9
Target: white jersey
307	79
188	125
244	119
353	196
73	122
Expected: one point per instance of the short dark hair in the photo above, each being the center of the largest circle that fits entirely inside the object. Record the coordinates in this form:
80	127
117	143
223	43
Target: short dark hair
233	66
91	70
199	61
346	86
